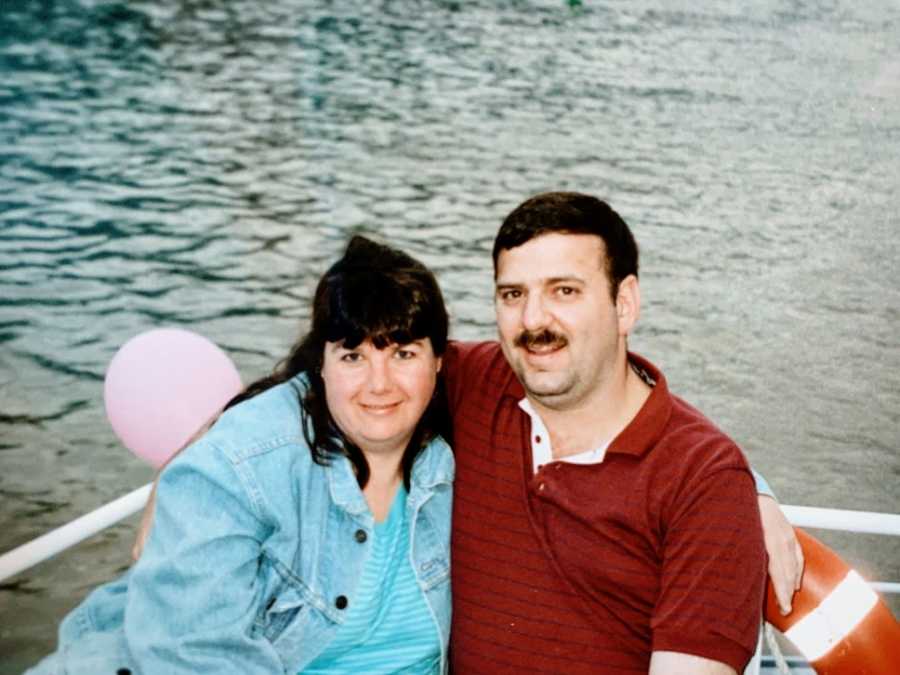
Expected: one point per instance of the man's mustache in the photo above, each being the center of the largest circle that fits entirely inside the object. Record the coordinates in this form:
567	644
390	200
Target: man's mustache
543	338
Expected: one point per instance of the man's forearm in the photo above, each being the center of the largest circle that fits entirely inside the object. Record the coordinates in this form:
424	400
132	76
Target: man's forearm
676	663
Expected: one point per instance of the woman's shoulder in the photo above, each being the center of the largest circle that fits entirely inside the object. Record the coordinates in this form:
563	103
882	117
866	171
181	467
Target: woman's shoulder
255	449
435	464
261	425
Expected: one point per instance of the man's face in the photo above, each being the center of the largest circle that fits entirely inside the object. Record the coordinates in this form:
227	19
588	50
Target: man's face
558	325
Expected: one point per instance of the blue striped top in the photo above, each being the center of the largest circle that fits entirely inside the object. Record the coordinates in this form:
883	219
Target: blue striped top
389	628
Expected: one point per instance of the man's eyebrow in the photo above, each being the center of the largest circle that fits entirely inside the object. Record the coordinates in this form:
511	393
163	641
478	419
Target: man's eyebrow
562	280
549	281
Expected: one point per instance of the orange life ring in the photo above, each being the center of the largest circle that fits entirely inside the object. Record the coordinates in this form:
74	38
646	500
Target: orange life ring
837	621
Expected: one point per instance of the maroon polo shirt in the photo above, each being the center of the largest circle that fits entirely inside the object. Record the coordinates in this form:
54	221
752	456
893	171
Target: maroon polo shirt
591	568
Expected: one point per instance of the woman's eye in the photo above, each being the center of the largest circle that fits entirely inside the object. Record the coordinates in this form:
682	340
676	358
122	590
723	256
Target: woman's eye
405	354
351	357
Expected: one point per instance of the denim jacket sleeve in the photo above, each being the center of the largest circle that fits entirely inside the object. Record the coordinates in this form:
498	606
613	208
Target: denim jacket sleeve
194	594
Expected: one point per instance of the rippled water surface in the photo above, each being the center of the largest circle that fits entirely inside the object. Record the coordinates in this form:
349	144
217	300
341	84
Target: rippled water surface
196	164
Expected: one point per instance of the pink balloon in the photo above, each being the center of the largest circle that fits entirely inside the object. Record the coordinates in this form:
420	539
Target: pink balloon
162	386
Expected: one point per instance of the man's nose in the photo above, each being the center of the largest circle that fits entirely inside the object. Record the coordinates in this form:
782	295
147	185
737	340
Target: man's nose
534	314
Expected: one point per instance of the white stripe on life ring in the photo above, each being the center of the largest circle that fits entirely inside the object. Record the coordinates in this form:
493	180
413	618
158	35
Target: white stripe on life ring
834	619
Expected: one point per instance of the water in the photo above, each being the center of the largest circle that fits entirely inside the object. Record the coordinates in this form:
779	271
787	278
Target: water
198	164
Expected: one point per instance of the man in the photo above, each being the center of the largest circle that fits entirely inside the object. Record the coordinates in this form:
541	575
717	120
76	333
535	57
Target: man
600	525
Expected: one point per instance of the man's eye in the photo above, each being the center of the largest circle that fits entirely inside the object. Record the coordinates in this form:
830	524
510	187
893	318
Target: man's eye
566	290
405	354
351	357
510	295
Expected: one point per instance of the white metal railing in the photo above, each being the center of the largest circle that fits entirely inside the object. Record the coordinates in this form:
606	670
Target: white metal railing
74	532
47	545
863	522
868	522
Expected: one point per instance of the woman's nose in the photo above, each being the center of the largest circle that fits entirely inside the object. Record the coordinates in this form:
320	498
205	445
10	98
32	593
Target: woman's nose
379	374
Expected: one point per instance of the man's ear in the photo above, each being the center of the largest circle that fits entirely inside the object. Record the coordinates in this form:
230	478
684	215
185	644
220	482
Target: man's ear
628	304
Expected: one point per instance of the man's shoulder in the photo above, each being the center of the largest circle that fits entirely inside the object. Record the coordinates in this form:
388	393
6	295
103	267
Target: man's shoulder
468	361
679	434
692	454
476	372
465	352
687	418
694	432
675	430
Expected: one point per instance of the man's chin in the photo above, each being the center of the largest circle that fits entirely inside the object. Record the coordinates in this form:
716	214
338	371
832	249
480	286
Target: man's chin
545	385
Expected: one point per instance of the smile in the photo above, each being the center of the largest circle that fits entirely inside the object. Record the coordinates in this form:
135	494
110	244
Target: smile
380	408
543	350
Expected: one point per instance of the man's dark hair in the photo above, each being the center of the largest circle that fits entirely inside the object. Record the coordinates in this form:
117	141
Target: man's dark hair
572	213
376	293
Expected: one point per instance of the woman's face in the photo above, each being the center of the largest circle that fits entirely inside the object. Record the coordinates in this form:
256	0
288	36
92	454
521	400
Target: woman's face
377	396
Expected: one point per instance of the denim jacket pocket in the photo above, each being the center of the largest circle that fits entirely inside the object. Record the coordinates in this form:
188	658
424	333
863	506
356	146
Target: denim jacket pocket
279	612
105	652
288	601
434	572
431	551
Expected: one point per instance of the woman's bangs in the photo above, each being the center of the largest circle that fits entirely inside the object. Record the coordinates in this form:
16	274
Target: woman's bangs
372	316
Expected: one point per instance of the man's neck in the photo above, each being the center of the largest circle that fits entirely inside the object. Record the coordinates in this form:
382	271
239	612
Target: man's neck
597	419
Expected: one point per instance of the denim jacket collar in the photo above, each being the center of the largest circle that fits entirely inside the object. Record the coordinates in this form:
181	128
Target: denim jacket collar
434	466
345	492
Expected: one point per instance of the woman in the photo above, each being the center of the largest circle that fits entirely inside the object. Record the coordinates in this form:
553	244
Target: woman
308	530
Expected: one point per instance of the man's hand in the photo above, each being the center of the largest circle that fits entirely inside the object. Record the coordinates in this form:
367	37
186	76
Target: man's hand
784	552
146	523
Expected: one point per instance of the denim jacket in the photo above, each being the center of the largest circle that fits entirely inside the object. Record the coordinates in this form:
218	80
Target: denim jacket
254	556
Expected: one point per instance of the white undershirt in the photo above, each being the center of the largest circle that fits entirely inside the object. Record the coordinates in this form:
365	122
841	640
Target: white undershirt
541	450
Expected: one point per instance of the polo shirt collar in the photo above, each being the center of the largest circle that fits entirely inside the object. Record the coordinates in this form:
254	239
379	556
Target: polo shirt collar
645	430
647	426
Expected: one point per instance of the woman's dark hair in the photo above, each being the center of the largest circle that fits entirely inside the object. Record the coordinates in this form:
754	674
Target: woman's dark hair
375	293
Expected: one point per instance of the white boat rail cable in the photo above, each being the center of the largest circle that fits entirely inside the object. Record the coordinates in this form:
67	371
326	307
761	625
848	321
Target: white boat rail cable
64	537
74	532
